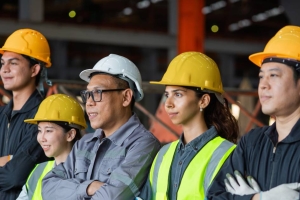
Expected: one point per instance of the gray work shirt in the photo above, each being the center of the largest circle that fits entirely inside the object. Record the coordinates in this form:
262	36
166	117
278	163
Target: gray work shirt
122	161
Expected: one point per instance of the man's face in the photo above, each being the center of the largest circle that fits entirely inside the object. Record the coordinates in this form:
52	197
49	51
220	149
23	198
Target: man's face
278	93
107	113
15	71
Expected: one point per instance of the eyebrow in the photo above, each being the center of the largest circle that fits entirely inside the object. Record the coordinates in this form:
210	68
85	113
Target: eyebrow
46	127
182	90
11	59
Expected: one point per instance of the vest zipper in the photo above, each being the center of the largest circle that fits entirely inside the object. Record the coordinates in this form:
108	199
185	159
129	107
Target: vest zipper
272	160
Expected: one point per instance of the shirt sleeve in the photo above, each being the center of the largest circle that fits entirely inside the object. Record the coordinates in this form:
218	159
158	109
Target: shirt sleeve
146	192
236	161
14	174
60	182
126	180
23	195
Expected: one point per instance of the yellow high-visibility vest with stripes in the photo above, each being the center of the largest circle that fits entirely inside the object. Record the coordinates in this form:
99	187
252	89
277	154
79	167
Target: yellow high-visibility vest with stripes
34	181
198	175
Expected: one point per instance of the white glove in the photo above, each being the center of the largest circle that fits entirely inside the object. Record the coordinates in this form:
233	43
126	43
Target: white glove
138	198
284	191
239	186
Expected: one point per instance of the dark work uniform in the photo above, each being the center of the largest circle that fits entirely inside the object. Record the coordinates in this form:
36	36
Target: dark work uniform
258	154
18	138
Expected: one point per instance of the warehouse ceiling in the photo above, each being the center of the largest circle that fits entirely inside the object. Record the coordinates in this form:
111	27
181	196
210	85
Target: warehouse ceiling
229	20
254	20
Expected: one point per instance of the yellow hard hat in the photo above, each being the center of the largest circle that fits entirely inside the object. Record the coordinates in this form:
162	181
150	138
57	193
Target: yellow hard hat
193	69
28	42
60	108
285	44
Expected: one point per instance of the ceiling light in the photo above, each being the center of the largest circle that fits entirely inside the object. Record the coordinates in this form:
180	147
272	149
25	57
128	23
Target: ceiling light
127	11
143	4
155	1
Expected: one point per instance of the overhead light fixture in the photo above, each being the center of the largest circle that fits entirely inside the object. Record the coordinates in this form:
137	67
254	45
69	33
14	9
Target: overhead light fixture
256	18
267	14
216	6
127	11
143	4
155	1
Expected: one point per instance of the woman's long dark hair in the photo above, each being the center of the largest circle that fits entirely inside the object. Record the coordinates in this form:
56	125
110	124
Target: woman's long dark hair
219	115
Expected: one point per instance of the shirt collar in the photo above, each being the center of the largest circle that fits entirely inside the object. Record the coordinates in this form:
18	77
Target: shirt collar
292	137
120	135
199	141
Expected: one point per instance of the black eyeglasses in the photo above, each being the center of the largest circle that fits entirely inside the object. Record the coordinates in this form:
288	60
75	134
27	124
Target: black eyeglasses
95	94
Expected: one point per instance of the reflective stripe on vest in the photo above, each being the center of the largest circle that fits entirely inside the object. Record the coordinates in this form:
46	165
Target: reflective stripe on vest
34	181
198	175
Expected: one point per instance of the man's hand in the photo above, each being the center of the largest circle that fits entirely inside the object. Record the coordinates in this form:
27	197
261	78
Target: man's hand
4	160
93	187
239	186
284	191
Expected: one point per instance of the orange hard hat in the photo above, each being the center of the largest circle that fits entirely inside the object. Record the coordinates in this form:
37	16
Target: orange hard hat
28	42
285	44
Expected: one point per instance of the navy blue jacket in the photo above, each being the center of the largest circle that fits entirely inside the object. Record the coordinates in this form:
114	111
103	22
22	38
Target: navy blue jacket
18	138
258	155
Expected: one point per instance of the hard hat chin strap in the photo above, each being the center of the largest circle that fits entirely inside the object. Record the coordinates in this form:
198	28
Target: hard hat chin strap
44	77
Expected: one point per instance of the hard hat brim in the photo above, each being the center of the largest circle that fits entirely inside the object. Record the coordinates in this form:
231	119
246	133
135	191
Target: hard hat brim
36	121
183	85
85	74
257	58
2	50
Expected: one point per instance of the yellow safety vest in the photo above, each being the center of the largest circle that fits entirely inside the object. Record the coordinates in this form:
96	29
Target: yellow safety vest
34	181
198	175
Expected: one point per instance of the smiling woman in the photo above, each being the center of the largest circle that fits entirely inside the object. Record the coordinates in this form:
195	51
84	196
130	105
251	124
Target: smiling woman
59	119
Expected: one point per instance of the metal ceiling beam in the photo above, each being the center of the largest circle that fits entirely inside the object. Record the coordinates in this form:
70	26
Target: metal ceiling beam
100	35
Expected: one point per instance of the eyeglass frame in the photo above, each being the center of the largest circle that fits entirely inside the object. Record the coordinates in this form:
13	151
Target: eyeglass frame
91	93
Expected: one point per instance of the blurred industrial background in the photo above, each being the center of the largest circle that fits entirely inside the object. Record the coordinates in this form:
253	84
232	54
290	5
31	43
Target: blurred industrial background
151	33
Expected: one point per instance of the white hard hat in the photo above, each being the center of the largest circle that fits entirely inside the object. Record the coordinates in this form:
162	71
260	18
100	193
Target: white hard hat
118	66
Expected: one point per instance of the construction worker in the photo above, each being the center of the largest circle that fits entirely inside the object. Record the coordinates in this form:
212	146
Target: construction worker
270	154
59	119
184	169
25	57
113	163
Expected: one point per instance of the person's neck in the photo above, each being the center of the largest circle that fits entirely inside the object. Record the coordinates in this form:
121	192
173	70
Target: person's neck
285	124
122	119
20	97
64	155
193	130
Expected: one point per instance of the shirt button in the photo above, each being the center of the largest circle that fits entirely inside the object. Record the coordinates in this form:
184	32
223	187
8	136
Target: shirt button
180	163
175	185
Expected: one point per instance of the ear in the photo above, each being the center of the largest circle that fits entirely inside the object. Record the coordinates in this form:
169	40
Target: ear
204	101
127	97
71	135
35	69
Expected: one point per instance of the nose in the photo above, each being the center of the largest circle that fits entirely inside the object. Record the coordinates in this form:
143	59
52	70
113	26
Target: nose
169	103
4	68
263	83
41	137
90	101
